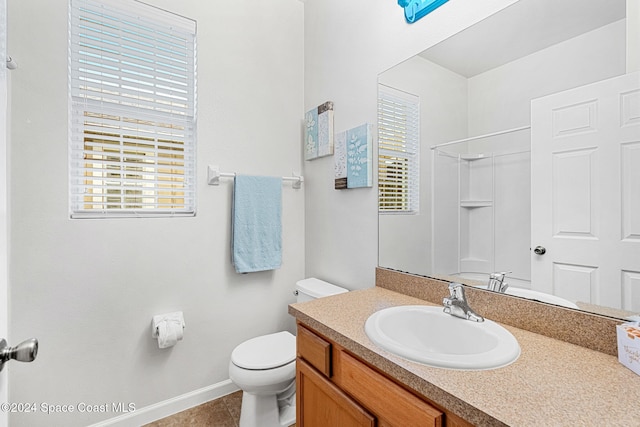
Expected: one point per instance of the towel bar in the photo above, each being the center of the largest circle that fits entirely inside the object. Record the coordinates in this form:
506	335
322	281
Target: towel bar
214	175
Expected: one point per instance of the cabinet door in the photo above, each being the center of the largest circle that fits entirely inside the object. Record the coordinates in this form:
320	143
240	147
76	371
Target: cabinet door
391	404
322	404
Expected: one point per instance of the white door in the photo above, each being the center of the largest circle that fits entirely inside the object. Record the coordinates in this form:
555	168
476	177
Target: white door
4	223
585	193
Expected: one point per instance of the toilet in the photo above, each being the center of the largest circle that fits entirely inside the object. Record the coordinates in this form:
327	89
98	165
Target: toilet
264	368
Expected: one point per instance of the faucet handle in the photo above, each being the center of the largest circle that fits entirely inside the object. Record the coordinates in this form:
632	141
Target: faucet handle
456	304
499	275
496	281
503	287
456	290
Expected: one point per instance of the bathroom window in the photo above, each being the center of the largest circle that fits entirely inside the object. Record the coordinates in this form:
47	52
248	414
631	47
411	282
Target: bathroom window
132	92
398	151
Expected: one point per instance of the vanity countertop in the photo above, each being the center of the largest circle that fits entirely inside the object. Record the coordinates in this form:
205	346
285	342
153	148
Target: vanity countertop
552	383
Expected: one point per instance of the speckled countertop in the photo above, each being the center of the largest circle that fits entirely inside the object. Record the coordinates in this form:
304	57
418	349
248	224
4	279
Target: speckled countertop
553	383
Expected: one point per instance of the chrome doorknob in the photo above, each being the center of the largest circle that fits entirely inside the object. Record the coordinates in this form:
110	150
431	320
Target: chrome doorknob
540	250
26	351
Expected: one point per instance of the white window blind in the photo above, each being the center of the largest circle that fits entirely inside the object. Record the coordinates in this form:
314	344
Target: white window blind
132	92
398	151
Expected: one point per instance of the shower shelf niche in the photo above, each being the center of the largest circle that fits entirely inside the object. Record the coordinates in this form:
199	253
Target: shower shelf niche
476	203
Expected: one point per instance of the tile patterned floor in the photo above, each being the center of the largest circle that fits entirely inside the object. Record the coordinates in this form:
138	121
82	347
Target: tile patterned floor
223	412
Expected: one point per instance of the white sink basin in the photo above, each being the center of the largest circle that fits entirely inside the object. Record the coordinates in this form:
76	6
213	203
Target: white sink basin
537	296
427	335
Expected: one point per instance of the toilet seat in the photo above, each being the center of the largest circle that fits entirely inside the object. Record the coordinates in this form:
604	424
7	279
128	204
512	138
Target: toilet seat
265	352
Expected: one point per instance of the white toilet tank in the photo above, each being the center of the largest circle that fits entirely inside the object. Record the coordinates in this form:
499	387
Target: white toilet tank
312	288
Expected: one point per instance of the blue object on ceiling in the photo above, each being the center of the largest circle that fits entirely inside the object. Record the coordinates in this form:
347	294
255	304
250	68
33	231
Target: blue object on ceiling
416	9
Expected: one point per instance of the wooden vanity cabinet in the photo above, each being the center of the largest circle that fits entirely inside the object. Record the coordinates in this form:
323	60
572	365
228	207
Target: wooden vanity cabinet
334	388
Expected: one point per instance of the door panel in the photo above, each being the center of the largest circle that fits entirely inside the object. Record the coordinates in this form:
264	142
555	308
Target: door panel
631	289
631	191
577	282
575	214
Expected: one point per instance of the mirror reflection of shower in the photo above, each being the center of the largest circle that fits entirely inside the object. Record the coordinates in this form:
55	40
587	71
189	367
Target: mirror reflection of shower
481	221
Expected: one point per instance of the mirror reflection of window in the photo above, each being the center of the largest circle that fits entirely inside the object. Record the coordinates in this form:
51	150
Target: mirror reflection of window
399	151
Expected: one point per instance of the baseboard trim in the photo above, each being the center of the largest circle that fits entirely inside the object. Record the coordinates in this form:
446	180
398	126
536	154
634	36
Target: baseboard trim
171	406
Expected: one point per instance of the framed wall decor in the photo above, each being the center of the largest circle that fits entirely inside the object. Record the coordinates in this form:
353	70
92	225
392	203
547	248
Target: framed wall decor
318	132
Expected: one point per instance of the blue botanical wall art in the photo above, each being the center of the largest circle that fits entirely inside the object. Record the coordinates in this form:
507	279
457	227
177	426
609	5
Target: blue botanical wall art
318	132
359	154
353	158
416	9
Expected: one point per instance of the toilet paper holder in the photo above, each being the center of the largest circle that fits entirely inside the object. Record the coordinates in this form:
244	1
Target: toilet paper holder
155	322
155	331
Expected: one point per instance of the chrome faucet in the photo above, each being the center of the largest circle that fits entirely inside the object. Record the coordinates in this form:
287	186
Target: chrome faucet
496	282
456	304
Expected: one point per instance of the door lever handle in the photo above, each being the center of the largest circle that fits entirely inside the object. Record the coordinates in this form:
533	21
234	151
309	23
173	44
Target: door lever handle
26	351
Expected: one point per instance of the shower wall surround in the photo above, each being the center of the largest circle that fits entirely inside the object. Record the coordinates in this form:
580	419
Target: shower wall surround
486	227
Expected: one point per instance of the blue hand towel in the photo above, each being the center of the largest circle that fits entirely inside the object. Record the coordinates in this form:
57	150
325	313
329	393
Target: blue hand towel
257	223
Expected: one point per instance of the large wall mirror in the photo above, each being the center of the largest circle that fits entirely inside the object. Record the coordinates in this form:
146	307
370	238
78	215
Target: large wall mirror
529	157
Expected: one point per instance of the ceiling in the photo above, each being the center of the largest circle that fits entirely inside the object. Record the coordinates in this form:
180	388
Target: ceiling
519	30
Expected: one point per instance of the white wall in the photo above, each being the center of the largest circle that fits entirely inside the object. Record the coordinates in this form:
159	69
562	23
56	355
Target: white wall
87	289
347	44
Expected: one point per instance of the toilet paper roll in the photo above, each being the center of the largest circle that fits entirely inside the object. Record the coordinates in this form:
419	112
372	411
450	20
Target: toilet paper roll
168	329
167	334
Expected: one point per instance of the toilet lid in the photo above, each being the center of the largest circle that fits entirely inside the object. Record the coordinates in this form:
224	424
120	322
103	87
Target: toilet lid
265	352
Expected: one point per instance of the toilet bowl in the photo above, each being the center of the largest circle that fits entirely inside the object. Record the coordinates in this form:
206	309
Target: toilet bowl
265	368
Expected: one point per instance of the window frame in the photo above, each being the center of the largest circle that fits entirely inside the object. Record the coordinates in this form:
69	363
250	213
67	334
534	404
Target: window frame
132	111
